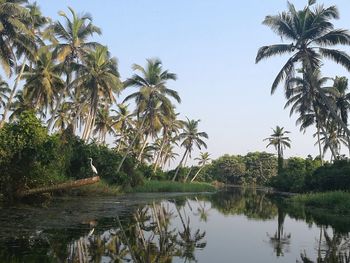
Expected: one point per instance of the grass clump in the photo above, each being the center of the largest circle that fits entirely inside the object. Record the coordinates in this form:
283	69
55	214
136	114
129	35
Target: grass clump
337	201
170	186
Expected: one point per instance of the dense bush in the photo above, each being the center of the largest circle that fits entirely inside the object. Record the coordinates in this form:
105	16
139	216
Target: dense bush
28	156
255	167
294	174
330	177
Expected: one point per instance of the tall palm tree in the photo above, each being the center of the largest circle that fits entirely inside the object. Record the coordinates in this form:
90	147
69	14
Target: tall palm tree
171	129
71	44
312	37
280	141
191	137
202	161
20	105
4	91
62	119
17	40
152	99
43	80
98	78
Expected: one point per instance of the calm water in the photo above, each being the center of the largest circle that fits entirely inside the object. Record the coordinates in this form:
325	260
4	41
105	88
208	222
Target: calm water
238	225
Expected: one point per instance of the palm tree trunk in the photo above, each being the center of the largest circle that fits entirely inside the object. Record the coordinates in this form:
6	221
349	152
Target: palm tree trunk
158	155
59	102
142	149
197	173
188	174
13	91
87	124
131	145
319	143
179	166
334	154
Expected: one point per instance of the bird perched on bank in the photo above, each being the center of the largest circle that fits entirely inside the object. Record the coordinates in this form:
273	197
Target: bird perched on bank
93	168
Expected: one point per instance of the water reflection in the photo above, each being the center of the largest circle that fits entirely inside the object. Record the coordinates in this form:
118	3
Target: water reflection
180	229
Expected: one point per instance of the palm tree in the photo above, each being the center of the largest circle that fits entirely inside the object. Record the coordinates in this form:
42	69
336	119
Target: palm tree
171	128
104	124
4	90
311	33
21	104
17	39
62	119
98	78
342	101
152	102
71	44
280	141
202	161
43	80
191	137
304	98
123	122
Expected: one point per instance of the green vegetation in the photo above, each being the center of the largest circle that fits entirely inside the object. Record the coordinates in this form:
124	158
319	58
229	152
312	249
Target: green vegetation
170	186
338	202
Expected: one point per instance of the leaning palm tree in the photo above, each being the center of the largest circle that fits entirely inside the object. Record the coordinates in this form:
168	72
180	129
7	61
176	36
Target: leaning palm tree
312	37
98	79
152	99
123	122
280	141
191	137
71	43
202	161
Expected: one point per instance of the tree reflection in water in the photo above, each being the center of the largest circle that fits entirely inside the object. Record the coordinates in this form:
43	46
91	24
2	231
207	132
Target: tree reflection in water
333	248
280	241
148	235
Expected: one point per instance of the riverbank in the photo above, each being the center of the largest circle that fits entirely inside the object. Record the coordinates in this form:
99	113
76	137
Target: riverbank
337	201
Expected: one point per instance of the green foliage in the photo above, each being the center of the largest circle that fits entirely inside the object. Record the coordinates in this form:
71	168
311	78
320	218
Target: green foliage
294	174
28	156
330	177
338	202
255	167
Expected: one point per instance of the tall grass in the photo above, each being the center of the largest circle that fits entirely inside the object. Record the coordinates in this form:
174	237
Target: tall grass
169	186
338	201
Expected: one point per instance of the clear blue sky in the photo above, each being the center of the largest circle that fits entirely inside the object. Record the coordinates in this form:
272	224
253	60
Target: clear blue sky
211	45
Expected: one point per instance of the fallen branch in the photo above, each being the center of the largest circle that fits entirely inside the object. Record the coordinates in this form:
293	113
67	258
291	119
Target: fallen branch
67	185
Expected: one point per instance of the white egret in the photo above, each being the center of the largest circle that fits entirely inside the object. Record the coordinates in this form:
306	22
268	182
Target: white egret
93	168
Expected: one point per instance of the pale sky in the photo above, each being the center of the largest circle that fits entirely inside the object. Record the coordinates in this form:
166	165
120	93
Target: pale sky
211	46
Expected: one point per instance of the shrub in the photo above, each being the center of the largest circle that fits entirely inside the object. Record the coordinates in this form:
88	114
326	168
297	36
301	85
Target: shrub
330	177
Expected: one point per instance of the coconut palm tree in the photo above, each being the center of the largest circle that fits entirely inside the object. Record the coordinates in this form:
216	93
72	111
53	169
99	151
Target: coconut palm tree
152	98
191	137
104	124
202	161
123	122
312	37
62	119
4	91
342	101
280	141
71	43
304	98
98	79
17	40
43	80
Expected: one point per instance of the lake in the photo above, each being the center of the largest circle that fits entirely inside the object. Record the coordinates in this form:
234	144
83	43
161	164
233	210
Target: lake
235	225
